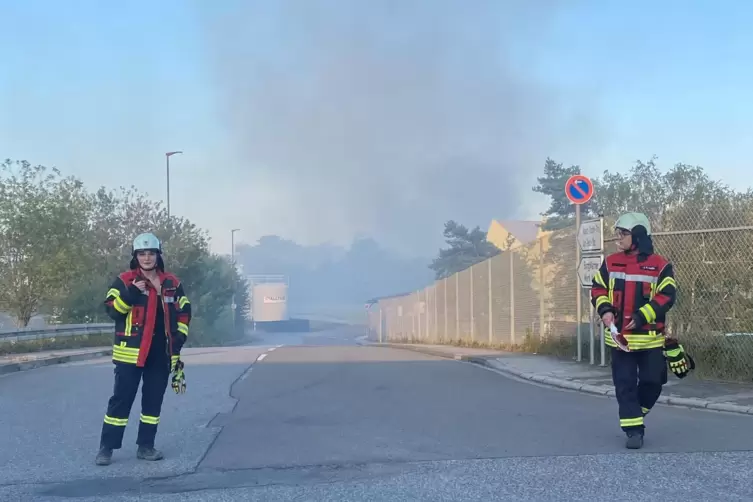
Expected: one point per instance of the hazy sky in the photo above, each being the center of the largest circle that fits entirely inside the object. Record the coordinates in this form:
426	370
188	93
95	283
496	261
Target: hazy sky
322	120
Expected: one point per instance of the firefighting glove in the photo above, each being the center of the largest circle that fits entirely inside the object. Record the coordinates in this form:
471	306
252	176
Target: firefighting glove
680	363
179	378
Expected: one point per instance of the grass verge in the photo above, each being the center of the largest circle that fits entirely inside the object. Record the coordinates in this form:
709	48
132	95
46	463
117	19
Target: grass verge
717	358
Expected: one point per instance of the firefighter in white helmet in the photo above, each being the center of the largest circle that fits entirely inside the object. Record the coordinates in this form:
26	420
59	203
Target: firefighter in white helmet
152	315
632	292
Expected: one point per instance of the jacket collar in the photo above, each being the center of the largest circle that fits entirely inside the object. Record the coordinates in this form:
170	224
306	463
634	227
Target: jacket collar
160	275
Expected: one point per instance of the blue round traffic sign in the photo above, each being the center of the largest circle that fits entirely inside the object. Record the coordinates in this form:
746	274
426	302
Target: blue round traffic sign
579	189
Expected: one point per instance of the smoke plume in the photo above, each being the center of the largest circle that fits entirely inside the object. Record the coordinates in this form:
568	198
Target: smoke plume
386	118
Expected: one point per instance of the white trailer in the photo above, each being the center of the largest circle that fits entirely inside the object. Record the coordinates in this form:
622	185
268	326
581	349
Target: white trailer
268	296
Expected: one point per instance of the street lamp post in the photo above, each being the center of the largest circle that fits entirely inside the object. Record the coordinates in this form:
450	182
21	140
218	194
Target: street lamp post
167	161
233	307
232	243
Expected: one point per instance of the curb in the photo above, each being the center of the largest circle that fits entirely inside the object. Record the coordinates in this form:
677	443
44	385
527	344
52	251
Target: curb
599	390
50	361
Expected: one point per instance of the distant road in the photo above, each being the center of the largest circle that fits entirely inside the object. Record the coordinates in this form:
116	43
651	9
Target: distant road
322	334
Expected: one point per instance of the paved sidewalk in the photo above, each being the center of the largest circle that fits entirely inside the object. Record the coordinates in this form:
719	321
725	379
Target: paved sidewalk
688	392
20	362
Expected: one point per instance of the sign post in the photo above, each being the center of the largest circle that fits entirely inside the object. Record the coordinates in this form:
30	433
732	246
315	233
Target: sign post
599	324
591	244
579	190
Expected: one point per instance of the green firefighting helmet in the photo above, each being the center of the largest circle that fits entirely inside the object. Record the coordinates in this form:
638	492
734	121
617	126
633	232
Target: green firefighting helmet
147	242
629	221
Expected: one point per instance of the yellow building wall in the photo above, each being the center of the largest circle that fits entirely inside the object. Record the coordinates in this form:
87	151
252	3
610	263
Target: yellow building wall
498	235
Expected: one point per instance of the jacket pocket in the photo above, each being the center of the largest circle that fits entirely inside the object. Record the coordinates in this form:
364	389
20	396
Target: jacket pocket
137	319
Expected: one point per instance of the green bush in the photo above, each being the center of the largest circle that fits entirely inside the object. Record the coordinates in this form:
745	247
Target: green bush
201	336
59	343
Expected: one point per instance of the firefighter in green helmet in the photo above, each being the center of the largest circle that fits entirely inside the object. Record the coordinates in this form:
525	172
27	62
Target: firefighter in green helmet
632	292
152	315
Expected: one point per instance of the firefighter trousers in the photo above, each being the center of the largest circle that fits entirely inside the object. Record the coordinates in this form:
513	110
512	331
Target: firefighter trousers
638	380
127	378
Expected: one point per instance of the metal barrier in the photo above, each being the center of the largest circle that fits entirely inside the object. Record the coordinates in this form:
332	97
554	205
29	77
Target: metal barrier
53	331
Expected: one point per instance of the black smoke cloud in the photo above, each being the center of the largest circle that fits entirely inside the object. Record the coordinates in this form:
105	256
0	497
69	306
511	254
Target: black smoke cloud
386	118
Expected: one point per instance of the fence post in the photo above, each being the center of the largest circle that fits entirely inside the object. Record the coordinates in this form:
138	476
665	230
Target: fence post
457	305
542	289
445	309
401	316
426	312
396	323
512	299
418	315
436	314
473	330
380	324
491	325
385	325
413	322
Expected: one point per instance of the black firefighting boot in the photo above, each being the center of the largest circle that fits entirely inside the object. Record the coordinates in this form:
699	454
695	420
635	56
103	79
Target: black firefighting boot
149	453
634	440
104	457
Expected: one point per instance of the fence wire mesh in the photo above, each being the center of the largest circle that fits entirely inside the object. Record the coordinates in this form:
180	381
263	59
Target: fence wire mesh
524	298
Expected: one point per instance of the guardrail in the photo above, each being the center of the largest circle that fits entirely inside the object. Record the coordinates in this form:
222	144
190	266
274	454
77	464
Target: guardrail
52	331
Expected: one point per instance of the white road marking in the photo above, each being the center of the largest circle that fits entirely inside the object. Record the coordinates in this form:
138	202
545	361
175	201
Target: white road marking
272	349
261	357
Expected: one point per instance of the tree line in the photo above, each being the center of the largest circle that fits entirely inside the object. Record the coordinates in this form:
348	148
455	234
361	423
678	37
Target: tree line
61	245
682	199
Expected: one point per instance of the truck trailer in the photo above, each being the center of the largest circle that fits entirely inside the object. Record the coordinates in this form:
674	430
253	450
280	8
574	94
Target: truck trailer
269	306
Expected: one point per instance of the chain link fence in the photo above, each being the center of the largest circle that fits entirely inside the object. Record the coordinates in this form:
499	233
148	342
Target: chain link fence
524	299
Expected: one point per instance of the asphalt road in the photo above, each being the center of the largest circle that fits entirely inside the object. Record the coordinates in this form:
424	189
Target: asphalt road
345	422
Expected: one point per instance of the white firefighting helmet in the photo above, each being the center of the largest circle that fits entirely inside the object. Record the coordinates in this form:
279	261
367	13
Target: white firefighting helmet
147	242
629	221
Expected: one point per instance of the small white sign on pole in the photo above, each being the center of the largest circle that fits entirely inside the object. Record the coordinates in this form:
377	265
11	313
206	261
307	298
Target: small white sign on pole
587	268
589	236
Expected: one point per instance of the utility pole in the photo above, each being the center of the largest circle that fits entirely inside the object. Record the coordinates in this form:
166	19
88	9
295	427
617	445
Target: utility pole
233	307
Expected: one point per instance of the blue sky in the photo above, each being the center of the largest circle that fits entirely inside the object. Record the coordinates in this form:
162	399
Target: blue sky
103	90
671	77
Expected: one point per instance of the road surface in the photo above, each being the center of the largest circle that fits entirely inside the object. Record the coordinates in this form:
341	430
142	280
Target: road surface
339	421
